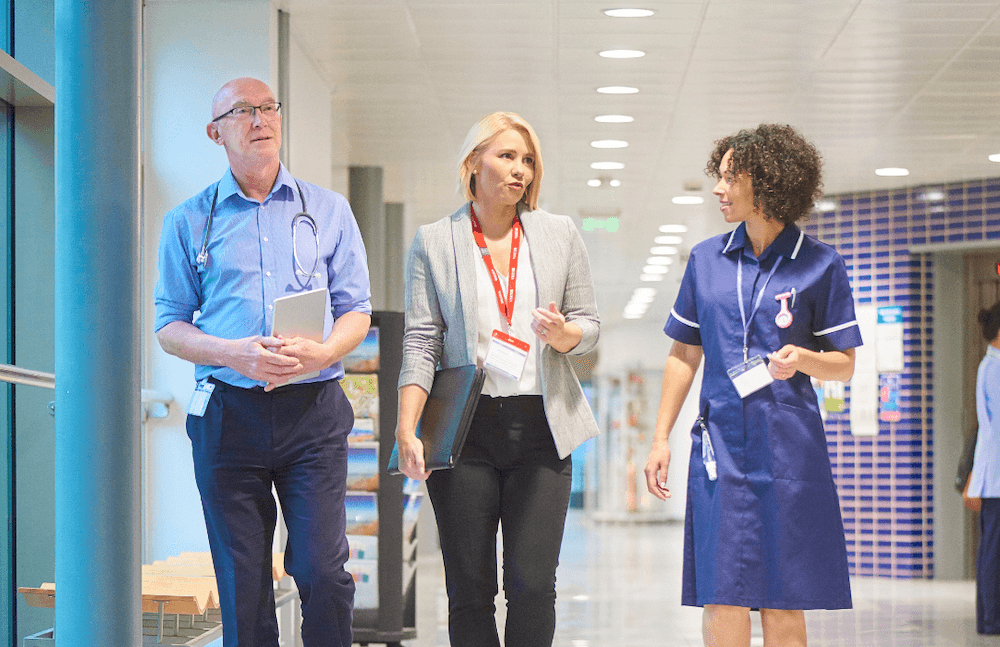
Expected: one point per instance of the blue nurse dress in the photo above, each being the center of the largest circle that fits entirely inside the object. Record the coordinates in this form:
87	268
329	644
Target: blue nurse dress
767	533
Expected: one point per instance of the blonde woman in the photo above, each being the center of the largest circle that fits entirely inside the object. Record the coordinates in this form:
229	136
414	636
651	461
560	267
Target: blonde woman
500	278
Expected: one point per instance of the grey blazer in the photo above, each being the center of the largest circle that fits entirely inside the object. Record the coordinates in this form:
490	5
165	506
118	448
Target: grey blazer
442	326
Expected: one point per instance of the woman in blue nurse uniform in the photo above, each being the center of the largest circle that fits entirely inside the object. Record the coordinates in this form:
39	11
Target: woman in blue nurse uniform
767	307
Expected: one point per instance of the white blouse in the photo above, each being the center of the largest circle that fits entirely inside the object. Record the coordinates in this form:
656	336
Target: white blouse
490	319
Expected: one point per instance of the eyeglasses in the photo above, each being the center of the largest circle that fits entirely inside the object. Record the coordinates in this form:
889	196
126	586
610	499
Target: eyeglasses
267	111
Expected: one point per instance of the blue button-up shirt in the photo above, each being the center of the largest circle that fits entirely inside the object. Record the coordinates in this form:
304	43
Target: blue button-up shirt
250	263
985	478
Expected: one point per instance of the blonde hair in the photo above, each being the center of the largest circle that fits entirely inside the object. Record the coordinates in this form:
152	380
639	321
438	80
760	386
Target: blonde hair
481	136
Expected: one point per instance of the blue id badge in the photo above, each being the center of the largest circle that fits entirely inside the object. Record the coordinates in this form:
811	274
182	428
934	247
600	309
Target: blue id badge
750	376
199	400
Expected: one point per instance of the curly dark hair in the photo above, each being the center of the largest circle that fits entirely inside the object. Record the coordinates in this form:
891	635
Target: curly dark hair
784	169
989	319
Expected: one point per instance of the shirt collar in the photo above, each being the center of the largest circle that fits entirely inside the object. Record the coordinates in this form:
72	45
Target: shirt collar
993	351
787	244
228	186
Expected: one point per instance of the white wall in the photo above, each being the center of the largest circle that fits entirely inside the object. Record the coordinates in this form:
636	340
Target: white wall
191	49
311	124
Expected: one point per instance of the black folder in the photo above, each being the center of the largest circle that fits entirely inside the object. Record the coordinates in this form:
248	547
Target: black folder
447	416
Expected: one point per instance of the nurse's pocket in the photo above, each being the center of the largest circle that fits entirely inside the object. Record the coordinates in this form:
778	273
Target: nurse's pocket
798	443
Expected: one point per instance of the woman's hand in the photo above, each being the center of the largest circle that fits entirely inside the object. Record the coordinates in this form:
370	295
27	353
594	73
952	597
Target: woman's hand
783	363
411	456
656	470
550	326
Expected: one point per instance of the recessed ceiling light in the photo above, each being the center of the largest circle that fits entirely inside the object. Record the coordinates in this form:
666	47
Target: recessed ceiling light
891	171
645	291
609	143
614	119
622	53
995	157
668	240
628	13
667	250
650	277
654	269
594	182
615	183
687	199
933	196
673	229
664	253
617	89
607	166
630	315
659	260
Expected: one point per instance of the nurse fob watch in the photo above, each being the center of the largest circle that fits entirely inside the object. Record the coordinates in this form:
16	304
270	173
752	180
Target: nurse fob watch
784	316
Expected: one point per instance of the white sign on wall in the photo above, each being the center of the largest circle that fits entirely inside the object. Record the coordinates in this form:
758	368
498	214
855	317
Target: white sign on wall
864	384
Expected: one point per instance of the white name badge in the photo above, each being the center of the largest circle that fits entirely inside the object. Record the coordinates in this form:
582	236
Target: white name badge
507	355
199	400
750	376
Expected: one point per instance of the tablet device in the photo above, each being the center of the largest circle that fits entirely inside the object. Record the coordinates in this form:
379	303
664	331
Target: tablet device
300	315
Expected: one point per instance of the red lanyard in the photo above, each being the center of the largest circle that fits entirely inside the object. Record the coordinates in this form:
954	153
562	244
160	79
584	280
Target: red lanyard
506	305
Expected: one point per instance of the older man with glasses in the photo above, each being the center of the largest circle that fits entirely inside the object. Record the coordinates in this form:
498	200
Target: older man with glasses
227	254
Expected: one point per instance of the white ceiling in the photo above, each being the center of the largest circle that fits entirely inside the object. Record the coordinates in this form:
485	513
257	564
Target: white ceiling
872	83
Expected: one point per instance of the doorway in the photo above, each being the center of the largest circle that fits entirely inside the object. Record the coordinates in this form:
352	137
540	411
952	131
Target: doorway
982	281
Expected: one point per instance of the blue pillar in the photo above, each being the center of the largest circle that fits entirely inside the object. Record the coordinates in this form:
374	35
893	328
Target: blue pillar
97	315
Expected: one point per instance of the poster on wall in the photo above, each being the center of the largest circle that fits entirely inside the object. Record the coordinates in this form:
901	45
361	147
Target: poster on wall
889	339
864	384
888	398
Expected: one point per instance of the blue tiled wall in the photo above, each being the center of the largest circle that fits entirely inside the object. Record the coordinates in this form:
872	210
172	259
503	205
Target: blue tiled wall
885	482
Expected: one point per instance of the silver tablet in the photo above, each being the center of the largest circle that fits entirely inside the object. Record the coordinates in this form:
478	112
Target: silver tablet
300	315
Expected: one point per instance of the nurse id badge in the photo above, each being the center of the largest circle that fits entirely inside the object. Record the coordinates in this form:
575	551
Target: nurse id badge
508	354
750	376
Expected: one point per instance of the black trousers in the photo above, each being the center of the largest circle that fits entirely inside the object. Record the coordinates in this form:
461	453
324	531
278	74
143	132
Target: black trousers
988	568
509	474
294	439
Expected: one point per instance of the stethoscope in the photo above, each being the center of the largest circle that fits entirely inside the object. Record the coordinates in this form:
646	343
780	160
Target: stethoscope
300	218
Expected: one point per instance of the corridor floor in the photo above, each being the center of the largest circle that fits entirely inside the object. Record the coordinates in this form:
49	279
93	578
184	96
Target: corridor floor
619	586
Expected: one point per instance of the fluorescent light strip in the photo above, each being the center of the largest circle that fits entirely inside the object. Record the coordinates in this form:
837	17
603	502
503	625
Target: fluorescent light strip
622	53
609	143
607	166
892	171
628	13
614	119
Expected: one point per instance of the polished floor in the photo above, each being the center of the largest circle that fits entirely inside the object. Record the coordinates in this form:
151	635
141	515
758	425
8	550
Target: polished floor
619	586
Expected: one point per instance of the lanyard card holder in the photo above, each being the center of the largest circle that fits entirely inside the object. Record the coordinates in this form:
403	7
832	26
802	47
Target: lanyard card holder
750	376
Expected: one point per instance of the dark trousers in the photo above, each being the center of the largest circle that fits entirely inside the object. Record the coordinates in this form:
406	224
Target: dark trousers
988	569
294	439
510	474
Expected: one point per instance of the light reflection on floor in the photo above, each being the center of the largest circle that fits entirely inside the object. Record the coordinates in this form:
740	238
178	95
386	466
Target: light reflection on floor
619	586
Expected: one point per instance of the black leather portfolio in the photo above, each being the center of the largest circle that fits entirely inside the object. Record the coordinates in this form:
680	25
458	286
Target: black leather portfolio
447	416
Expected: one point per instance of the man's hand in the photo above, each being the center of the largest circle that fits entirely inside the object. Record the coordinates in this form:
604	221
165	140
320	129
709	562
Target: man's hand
255	358
311	356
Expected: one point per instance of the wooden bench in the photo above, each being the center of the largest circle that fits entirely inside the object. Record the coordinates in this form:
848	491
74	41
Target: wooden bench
181	586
